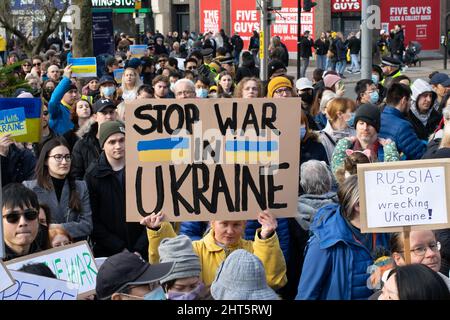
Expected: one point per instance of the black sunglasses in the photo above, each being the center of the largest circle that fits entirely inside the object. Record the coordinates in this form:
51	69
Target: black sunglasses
36	64
45	113
14	216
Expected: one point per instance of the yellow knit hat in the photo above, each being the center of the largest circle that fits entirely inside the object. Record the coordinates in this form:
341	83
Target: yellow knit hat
276	83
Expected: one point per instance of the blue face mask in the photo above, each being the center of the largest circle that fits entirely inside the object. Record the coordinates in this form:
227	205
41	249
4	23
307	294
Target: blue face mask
108	91
375	79
156	294
302	133
201	93
351	121
374	96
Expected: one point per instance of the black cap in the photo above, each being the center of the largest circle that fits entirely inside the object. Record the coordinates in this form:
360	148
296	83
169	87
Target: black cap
275	65
392	62
369	114
124	269
207	52
107	79
133	63
101	104
110	61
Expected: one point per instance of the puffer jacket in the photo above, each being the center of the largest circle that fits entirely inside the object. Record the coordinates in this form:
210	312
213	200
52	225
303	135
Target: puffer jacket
395	126
86	150
212	255
335	266
309	204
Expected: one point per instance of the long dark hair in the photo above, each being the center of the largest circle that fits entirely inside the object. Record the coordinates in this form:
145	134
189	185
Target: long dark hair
43	176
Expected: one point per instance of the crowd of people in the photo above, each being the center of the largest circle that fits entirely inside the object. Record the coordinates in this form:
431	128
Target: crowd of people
71	185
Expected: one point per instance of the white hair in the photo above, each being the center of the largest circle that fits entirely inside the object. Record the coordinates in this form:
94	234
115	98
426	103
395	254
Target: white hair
186	81
315	177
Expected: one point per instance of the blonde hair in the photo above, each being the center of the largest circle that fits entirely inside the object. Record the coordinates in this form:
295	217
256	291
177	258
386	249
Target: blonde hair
240	87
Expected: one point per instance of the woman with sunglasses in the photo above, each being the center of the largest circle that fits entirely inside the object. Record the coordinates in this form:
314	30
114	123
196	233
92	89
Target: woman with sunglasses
68	199
20	213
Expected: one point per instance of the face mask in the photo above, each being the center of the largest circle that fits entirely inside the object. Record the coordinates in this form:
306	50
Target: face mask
201	93
302	132
185	295
351	121
374	96
375	79
108	91
156	294
172	86
307	98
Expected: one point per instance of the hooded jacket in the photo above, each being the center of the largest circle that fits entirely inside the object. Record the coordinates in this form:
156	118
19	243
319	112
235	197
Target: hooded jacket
58	110
309	204
211	254
111	233
424	124
248	69
86	150
335	266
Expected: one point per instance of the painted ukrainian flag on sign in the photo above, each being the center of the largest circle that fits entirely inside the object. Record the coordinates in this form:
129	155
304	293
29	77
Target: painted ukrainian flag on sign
83	67
251	152
21	117
164	150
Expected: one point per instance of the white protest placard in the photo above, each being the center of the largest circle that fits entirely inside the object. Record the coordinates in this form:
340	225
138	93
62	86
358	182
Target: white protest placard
74	263
394	195
32	287
181	63
6	279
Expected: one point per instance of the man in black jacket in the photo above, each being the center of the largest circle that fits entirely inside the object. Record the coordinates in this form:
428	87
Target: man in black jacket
105	179
397	43
306	45
87	149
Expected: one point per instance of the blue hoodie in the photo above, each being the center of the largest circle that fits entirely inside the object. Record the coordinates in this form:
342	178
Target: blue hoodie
335	266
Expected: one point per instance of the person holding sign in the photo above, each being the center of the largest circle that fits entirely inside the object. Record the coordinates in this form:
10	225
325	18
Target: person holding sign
338	254
20	213
223	238
367	125
61	102
425	249
67	199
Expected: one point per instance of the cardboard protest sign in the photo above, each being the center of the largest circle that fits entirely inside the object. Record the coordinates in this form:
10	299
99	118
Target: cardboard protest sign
74	263
138	50
118	75
6	280
212	159
395	195
21	117
83	67
32	287
181	63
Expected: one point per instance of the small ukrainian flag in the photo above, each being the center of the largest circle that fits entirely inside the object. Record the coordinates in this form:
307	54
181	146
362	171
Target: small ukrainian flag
83	67
164	150
251	152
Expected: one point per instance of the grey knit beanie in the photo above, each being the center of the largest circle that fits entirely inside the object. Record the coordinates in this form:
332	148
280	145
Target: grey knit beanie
179	250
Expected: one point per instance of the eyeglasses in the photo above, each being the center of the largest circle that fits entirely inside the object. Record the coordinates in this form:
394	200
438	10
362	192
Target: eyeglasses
45	113
37	64
420	251
14	216
282	90
191	68
119	61
26	65
184	93
162	61
60	157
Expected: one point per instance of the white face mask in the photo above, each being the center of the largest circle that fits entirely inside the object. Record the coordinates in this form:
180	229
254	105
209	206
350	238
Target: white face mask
201	93
172	86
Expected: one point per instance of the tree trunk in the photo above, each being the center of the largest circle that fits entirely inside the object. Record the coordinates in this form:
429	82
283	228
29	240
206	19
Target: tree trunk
82	36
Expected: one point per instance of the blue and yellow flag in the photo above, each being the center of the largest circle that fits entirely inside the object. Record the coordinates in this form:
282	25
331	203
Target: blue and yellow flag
164	150
83	67
246	151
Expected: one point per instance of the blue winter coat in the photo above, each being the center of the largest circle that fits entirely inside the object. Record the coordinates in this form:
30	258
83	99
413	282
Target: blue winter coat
60	121
335	266
396	127
195	230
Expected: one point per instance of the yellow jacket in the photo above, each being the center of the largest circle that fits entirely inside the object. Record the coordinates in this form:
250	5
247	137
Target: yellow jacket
2	45
211	254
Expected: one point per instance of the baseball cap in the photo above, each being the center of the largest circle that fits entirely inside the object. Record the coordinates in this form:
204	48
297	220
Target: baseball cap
124	269
101	104
134	63
304	83
392	62
439	78
107	79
